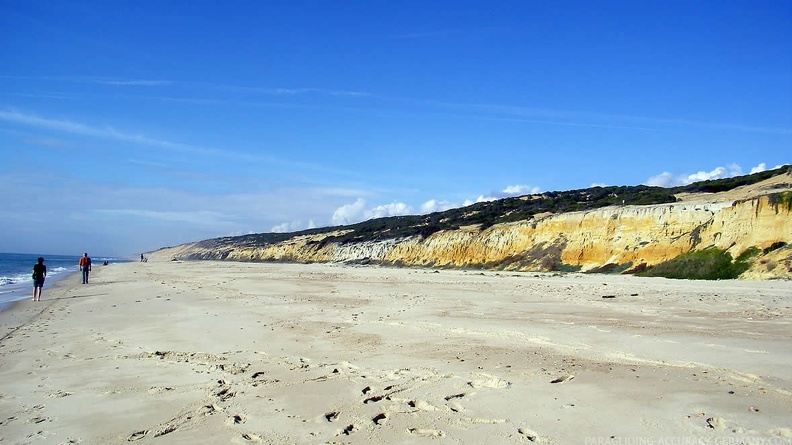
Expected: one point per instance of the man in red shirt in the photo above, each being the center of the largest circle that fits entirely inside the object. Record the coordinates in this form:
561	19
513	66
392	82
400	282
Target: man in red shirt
85	267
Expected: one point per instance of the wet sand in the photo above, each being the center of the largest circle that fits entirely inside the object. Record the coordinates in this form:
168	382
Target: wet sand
242	353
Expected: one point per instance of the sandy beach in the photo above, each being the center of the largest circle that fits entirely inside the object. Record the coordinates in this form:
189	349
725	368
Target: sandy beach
243	353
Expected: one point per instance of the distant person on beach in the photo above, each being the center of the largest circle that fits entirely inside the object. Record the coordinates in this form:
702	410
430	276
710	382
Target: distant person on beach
39	273
141	257
85	267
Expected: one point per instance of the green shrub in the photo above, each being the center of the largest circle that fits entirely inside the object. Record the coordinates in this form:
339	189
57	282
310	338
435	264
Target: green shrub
707	264
747	254
782	201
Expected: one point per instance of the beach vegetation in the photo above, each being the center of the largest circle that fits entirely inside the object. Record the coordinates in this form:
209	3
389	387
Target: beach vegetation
747	254
782	201
707	264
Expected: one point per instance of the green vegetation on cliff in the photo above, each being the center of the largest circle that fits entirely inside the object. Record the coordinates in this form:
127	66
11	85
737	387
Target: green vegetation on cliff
782	201
707	264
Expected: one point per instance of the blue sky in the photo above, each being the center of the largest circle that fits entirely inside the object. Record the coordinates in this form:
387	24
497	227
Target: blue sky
126	126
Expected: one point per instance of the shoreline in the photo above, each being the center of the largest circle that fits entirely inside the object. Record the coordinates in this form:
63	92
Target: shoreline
20	295
316	353
17	292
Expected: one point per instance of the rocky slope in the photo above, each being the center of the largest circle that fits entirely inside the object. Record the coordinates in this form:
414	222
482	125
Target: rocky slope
615	238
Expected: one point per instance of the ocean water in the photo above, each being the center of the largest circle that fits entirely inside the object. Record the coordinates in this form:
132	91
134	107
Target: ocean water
16	281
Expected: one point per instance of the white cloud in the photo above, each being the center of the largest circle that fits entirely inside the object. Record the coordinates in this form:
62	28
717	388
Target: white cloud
484	198
392	209
281	228
348	213
357	211
718	173
434	205
508	192
294	226
667	179
519	190
760	168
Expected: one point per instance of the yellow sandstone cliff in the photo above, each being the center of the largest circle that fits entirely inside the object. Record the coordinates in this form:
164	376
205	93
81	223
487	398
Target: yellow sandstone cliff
623	237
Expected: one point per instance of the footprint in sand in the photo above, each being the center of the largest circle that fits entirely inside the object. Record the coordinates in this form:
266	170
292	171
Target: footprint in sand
530	434
373	399
483	380
423	432
716	423
479	420
422	405
379	419
137	436
349	429
454	396
456	407
7	421
563	379
59	394
252	437
235	420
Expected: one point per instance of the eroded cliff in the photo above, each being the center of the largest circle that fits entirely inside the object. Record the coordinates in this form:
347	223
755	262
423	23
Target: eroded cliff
620	238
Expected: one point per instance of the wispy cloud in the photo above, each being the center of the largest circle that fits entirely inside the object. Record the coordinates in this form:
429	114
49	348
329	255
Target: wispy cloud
426	34
94	79
499	112
198	218
291	91
449	32
274	91
588	119
139	83
71	127
67	126
39	95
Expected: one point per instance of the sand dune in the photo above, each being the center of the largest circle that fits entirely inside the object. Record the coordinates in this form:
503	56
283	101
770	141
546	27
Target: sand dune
242	353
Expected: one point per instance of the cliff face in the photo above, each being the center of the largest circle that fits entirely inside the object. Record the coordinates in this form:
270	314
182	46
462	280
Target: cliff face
619	237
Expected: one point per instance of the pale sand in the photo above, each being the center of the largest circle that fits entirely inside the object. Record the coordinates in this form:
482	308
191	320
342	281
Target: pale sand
239	353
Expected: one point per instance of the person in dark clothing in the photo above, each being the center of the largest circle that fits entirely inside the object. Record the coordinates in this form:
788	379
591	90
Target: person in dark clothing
85	267
39	273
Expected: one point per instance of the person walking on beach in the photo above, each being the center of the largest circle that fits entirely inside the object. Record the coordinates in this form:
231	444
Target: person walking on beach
39	273
85	267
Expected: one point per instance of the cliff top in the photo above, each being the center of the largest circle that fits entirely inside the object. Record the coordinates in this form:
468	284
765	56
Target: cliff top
775	184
